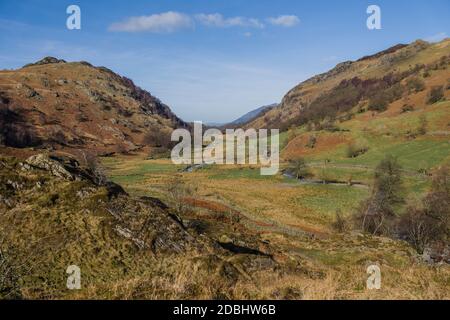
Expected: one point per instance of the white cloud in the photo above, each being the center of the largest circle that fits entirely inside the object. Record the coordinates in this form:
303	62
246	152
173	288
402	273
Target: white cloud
248	34
284	21
437	37
218	20
159	23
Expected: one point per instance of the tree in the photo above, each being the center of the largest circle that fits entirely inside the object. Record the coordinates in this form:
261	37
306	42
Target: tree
299	168
157	137
95	168
378	103
415	84
423	125
430	222
436	94
377	212
355	149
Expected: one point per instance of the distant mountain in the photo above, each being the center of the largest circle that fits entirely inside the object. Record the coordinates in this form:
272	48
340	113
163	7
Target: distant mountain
55	104
252	115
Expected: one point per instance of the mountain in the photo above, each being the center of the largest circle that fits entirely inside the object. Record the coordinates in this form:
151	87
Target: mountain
54	104
252	115
382	79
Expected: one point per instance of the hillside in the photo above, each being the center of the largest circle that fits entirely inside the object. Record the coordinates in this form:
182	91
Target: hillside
53	104
55	213
140	227
372	83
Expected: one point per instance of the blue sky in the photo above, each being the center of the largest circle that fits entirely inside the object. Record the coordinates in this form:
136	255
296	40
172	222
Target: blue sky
214	60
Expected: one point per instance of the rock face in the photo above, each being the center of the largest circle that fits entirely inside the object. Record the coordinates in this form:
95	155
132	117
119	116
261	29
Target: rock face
149	227
43	162
55	104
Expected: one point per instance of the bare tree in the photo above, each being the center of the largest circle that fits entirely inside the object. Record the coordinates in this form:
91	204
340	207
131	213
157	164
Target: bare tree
180	193
423	225
95	168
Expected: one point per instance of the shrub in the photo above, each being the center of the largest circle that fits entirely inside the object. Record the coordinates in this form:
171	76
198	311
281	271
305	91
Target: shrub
423	125
157	137
20	137
375	215
298	168
416	228
340	224
407	108
9	278
431	222
311	141
415	85
355	149
80	117
179	192
94	167
379	103
436	94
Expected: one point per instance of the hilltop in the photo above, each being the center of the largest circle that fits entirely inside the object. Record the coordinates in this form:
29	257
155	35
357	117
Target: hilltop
57	105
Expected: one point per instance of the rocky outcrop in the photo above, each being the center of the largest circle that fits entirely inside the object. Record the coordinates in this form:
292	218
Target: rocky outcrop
43	162
46	60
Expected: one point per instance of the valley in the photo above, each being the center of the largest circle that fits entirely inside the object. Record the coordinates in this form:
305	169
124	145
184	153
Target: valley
86	178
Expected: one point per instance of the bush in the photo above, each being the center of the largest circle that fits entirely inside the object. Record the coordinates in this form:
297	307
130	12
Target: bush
298	168
436	94
416	228
355	149
94	167
179	192
431	222
415	85
375	215
9	278
423	125
311	142
407	108
378	103
157	137
340	224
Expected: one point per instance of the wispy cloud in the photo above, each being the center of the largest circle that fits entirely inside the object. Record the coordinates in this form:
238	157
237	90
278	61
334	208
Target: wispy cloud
158	23
437	37
218	20
173	21
284	21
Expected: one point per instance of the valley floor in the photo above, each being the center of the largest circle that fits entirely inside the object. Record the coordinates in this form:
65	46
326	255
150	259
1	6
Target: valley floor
296	219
